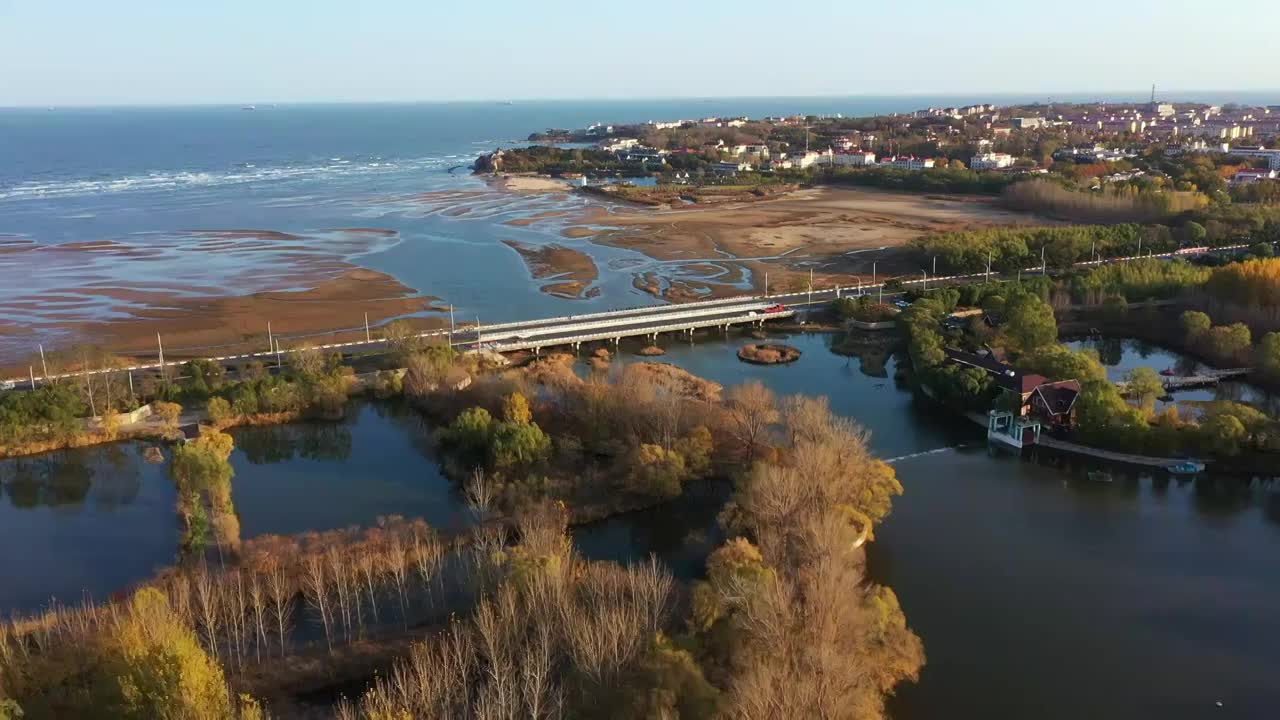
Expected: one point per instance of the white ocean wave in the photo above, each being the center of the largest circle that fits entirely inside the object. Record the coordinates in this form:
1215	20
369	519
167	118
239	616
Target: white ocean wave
180	180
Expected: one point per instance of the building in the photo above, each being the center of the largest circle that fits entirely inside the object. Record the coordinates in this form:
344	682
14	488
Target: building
739	150
805	159
644	156
1221	131
731	167
665	125
619	144
908	162
1027	123
854	158
990	161
1054	403
1244	177
1272	156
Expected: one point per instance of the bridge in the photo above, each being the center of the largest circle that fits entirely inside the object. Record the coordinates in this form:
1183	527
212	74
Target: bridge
1204	378
648	321
611	325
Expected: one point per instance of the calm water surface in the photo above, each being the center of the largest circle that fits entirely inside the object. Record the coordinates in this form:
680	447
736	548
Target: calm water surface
1037	593
1120	355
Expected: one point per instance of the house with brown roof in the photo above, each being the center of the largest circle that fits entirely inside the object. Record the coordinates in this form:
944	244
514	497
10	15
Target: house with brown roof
1055	402
1052	402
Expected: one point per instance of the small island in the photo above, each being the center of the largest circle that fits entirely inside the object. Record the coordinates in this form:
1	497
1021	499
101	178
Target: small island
768	354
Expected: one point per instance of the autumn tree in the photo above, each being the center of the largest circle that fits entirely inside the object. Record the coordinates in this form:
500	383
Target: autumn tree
1145	385
168	412
157	668
1194	325
753	409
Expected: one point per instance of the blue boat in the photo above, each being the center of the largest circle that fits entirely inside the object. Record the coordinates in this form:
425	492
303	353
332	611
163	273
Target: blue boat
1186	467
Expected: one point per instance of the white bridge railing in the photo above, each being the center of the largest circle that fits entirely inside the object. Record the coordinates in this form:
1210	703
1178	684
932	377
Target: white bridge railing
534	343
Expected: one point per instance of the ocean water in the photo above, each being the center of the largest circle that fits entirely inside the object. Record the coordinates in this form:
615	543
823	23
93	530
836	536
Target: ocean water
97	204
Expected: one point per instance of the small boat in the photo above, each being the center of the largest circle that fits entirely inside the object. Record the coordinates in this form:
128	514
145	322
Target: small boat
1186	467
1168	372
1101	476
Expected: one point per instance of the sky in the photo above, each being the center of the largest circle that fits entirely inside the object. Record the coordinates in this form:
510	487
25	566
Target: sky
123	52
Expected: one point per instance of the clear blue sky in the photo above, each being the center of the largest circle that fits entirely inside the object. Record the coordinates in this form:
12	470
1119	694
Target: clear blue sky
62	52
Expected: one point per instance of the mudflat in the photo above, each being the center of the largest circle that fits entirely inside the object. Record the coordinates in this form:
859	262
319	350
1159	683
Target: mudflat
572	272
332	310
836	232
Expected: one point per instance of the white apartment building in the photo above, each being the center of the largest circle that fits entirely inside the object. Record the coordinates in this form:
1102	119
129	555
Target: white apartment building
990	161
854	158
908	162
804	159
1272	156
619	144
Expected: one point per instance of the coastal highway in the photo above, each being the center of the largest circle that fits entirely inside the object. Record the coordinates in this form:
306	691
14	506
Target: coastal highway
640	321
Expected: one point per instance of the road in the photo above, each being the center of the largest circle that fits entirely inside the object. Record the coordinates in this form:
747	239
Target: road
607	325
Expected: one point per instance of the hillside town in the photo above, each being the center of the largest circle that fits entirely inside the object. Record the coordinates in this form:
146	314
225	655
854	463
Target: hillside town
1102	143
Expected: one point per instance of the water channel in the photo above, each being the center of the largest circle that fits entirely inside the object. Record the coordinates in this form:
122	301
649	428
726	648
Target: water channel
1037	593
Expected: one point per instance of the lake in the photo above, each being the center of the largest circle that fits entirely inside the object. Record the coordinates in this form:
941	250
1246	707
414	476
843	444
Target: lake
1120	355
1037	593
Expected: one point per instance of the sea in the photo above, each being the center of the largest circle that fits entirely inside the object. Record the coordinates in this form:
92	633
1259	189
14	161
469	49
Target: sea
105	212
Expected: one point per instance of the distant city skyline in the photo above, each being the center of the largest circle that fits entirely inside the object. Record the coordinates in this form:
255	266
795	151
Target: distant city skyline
147	52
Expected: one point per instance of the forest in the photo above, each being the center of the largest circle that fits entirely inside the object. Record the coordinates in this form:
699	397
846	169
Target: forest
504	619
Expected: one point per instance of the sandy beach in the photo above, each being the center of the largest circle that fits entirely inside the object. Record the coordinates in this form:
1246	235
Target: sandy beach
533	184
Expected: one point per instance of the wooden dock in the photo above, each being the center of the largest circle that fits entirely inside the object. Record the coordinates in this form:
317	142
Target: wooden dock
1208	378
1109	455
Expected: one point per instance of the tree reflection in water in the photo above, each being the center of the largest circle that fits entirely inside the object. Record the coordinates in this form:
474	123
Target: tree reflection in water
281	443
66	479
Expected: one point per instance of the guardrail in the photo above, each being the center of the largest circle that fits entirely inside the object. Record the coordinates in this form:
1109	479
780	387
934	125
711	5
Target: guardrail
633	320
635	332
639	310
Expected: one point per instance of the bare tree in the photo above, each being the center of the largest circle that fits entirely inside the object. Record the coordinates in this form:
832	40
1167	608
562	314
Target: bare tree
317	592
258	604
480	492
753	409
206	592
428	555
397	564
370	573
281	600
